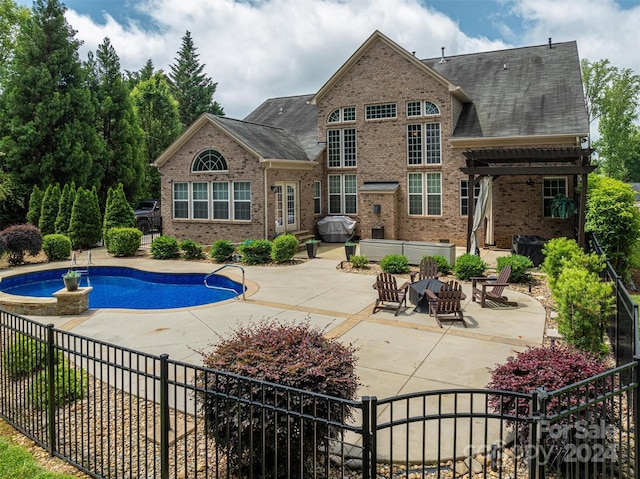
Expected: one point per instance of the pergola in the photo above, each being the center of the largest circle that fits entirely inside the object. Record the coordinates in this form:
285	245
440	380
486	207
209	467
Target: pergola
559	161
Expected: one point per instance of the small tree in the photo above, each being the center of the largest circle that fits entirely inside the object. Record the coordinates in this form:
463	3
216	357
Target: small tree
21	240
49	211
64	210
85	227
294	355
35	206
118	212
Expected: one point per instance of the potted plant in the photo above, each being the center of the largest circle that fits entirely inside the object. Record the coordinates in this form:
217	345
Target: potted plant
562	206
312	248
349	249
71	280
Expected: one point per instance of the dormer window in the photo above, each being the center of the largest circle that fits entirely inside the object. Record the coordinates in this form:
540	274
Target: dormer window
340	115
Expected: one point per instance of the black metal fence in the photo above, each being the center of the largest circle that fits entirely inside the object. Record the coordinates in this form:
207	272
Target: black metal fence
150	233
623	322
145	416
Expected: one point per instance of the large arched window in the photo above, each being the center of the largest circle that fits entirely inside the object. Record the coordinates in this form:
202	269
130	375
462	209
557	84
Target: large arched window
209	160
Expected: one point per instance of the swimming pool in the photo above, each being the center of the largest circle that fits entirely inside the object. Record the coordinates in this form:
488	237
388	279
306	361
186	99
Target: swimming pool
128	288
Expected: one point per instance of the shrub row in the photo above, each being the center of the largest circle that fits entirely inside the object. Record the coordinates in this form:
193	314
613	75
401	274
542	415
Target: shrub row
583	301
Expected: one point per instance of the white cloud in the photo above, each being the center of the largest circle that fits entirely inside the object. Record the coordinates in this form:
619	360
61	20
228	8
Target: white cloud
267	48
257	49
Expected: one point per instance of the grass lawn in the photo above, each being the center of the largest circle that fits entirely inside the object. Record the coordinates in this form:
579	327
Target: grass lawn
17	462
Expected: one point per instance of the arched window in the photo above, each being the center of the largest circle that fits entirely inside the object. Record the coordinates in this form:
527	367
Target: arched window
430	108
209	160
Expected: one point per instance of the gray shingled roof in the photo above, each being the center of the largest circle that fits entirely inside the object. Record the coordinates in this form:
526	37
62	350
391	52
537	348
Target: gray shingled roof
519	92
294	114
268	141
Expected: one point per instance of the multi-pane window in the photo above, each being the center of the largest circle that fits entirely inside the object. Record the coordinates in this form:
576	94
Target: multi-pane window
387	110
241	200
200	200
317	198
341	148
209	160
419	108
425	194
220	199
423	144
181	200
464	196
225	200
550	188
342	194
342	114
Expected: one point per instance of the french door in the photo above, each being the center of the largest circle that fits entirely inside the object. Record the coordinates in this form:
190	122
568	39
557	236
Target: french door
286	205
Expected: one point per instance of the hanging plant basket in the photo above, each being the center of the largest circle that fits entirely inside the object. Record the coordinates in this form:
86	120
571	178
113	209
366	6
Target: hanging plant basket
562	206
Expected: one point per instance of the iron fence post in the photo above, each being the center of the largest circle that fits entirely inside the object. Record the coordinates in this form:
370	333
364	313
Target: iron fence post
51	384
533	435
636	415
366	437
164	416
373	428
543	422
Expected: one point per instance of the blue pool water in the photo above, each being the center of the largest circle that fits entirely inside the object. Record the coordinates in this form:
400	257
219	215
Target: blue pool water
128	288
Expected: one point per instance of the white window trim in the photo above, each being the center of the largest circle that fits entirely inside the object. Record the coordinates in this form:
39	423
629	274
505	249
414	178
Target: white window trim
342	148
423	150
341	115
425	194
381	118
231	201
317	198
342	194
566	190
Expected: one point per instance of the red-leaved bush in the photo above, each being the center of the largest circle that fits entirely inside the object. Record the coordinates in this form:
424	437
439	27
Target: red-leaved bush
264	428
20	240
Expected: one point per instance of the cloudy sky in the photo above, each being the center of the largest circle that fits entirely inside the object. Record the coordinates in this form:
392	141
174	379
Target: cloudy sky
258	49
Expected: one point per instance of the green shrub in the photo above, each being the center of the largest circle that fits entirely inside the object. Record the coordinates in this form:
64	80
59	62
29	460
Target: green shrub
118	212
56	246
614	219
191	250
283	248
221	251
85	225
395	264
469	265
520	266
49	210
255	251
165	247
584	304
69	384
21	240
293	355
35	206
556	251
25	356
443	263
549	367
123	241
359	261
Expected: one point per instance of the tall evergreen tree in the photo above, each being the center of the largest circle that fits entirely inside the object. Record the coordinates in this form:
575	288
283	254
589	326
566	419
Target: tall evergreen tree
64	211
49	211
50	117
35	206
123	161
157	112
190	86
85	227
12	19
118	213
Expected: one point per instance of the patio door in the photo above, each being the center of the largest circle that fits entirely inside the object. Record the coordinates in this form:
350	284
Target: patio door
286	204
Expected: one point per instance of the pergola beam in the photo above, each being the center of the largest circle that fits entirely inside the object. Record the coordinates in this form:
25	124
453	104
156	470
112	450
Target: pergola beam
528	170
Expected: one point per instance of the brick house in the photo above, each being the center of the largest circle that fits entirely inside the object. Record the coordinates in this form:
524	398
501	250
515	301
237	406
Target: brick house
398	144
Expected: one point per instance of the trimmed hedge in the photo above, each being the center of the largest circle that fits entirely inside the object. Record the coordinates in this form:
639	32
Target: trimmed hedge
123	241
56	246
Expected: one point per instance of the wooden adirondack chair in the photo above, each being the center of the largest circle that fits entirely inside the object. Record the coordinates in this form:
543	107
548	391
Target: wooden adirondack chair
487	289
389	295
428	269
445	305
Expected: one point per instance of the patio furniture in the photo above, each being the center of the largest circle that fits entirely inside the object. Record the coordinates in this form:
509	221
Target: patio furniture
390	297
445	305
428	269
486	289
418	293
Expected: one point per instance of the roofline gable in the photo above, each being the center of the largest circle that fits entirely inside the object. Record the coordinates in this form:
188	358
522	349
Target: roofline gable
455	90
196	126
